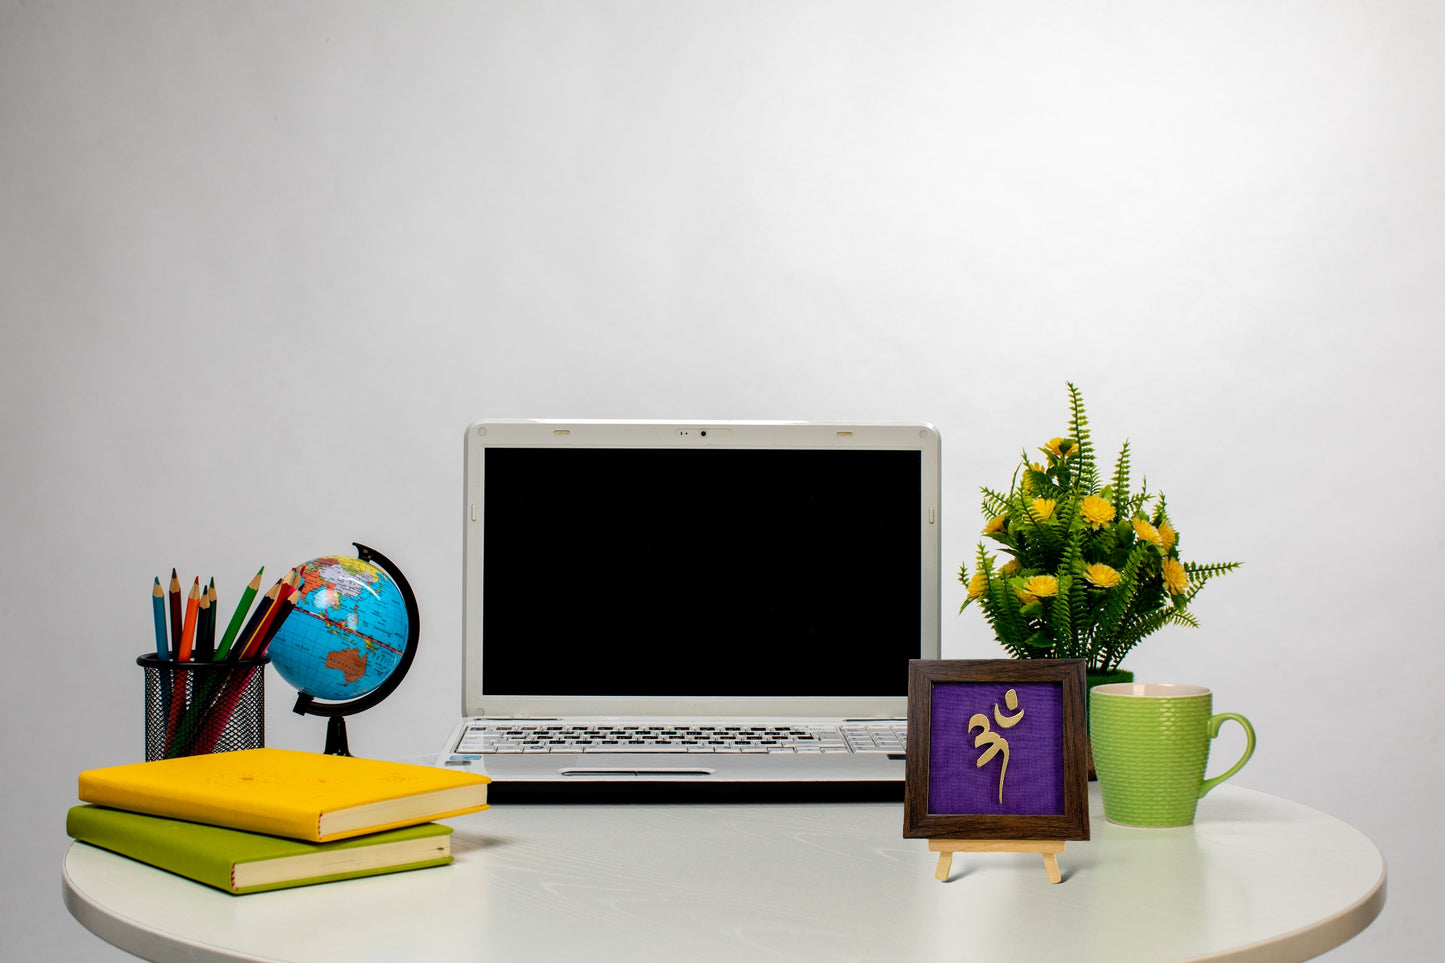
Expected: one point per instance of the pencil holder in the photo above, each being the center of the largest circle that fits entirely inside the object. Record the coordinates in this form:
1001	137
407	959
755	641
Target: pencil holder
194	708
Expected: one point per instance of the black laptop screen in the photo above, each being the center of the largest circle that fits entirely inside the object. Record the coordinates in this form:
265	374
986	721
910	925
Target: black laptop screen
700	572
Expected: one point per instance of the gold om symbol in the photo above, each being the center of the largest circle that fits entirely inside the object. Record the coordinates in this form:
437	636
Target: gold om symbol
996	743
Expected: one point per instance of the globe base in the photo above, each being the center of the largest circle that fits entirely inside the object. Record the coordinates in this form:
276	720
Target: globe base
336	744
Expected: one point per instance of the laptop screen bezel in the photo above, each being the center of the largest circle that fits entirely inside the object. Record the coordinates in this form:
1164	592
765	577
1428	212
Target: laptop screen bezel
482	435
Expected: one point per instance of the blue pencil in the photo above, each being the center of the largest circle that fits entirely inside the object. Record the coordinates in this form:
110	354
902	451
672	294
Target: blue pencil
163	652
158	597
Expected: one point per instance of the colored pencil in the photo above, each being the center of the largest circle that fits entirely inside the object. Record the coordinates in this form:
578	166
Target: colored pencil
229	696
188	629
242	607
175	614
285	590
180	690
163	651
251	643
225	705
205	644
158	604
238	648
287	605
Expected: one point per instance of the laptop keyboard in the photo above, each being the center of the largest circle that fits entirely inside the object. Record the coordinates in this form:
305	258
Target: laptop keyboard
541	736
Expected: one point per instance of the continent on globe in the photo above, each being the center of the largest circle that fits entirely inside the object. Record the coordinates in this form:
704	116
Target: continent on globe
350	662
347	633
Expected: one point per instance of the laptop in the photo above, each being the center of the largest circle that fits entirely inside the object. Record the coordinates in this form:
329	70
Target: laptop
724	604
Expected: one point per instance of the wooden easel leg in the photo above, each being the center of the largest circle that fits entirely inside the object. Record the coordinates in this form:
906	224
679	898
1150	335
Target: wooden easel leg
945	848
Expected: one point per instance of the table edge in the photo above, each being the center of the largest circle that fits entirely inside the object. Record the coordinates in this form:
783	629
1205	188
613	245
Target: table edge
140	939
131	935
1311	941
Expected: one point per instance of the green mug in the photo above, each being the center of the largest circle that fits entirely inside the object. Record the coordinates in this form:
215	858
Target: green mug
1151	744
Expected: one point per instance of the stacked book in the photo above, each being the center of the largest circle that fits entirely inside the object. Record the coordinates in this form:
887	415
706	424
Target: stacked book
263	819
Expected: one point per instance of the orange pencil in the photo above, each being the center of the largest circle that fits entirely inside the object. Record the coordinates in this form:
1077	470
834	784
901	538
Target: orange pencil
188	630
180	687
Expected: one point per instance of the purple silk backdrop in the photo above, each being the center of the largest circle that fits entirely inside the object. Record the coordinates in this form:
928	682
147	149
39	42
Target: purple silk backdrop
1033	785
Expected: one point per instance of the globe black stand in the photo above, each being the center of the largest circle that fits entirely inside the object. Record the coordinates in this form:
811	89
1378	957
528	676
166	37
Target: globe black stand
336	744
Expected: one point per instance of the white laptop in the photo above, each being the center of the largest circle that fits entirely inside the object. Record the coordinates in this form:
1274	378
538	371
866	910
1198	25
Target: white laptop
719	604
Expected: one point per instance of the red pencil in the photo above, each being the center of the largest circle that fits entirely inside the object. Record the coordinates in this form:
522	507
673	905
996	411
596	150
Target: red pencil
238	647
286	607
262	635
247	641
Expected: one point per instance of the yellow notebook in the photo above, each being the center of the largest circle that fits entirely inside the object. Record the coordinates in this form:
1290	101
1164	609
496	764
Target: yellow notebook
299	795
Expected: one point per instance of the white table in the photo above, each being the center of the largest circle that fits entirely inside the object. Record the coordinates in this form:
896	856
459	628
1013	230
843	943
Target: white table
1256	877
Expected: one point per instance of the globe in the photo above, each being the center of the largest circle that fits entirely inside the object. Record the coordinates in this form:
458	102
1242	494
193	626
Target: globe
348	632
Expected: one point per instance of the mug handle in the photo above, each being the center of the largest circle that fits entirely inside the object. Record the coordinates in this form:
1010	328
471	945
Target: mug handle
1215	721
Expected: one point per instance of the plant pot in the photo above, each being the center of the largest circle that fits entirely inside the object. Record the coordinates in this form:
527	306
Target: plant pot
1091	679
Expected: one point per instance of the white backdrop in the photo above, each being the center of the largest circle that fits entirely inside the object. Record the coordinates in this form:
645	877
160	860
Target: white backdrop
261	263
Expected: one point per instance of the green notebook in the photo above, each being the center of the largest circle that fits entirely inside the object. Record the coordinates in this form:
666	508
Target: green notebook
240	862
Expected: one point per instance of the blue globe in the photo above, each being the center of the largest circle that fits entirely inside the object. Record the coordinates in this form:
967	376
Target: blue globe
347	633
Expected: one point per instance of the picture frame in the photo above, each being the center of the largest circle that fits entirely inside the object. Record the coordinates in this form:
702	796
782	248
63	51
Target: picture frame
981	766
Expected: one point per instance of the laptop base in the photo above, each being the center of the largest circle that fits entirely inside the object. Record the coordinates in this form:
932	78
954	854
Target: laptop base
531	793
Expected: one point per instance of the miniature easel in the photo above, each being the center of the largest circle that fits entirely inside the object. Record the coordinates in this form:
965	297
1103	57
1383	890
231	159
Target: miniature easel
945	848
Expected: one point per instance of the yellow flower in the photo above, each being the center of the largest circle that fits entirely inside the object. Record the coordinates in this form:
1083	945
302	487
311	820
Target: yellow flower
1175	578
1102	575
1147	532
1011	567
1097	511
1042	586
1043	509
1060	447
996	525
977	584
1167	537
1025	597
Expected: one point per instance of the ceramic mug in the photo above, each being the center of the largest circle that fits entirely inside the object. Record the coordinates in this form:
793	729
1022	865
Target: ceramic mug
1151	744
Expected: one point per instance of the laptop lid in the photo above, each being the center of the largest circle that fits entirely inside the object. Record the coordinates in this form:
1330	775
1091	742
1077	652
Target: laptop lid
698	569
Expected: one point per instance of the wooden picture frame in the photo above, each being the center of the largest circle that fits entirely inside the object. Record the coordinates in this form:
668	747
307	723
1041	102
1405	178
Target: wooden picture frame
963	779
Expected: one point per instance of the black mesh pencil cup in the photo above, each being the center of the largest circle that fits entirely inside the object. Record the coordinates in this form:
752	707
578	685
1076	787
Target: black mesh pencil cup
193	708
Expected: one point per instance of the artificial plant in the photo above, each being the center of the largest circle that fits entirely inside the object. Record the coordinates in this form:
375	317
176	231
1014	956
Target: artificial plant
1092	568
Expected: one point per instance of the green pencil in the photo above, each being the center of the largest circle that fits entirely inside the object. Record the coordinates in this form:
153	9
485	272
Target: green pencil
241	608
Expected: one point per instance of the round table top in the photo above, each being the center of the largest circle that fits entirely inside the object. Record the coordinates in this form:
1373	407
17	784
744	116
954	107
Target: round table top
1256	877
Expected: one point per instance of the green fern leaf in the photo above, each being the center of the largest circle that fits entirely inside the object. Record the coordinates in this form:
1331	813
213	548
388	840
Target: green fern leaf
1083	455
1122	595
1061	621
994	504
1200	573
1121	473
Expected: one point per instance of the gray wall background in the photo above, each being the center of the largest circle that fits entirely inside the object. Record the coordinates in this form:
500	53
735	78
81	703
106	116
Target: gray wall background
261	263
